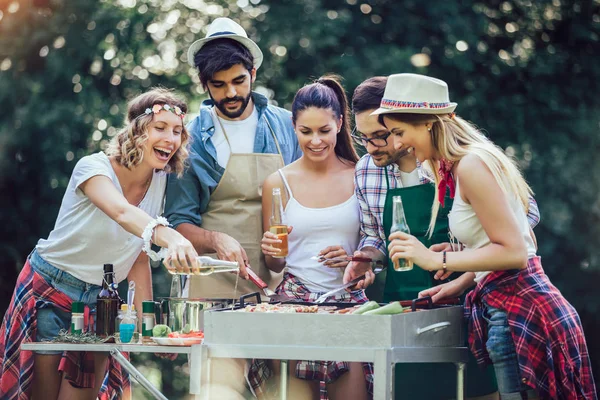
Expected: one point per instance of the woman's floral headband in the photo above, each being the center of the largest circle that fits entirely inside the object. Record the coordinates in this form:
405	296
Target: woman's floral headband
159	107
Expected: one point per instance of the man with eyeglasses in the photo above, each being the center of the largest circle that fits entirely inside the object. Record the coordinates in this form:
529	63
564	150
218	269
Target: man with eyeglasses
380	174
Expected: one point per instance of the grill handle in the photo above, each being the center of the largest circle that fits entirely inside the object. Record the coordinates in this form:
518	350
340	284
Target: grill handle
426	299
434	327
249	296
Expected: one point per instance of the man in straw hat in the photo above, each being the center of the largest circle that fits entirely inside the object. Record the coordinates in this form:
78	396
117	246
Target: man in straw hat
382	173
238	139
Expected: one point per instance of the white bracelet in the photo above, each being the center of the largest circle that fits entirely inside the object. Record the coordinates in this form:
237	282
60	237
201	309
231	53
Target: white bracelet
147	238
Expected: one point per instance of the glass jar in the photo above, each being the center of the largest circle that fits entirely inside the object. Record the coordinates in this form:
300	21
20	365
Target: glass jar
148	318
77	308
127	322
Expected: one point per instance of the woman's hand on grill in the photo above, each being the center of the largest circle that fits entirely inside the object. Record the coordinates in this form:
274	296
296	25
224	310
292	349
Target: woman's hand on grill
444	291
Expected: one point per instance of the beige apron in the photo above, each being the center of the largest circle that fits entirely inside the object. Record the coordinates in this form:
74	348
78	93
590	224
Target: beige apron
235	208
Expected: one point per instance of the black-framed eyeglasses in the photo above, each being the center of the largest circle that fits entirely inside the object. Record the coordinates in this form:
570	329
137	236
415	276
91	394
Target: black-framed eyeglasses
380	141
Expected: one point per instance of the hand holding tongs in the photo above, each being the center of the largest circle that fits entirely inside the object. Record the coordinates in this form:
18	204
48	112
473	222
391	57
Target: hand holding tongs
380	266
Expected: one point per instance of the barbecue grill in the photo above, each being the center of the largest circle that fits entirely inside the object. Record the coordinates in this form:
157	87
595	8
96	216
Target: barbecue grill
430	333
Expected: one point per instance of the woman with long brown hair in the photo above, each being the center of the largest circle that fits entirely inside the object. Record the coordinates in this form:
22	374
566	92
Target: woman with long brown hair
322	214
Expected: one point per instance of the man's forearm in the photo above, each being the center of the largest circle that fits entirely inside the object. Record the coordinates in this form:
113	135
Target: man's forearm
373	253
202	239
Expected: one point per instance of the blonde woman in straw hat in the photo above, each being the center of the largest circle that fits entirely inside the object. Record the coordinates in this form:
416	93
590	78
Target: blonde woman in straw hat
518	320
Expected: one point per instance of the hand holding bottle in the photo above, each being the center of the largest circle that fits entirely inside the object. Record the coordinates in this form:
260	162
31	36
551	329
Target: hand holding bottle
404	246
181	254
270	243
278	228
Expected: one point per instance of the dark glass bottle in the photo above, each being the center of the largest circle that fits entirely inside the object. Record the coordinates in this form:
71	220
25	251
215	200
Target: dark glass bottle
107	305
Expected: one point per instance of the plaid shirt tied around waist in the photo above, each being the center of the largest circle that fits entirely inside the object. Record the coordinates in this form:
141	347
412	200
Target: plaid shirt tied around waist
549	340
20	325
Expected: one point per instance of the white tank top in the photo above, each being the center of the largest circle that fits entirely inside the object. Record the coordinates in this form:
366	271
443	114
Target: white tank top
467	229
314	230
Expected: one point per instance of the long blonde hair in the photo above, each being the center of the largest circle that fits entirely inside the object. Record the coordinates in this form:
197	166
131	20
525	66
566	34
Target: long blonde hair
128	145
453	138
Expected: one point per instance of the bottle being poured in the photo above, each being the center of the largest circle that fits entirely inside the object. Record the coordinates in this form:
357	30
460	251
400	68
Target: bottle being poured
206	266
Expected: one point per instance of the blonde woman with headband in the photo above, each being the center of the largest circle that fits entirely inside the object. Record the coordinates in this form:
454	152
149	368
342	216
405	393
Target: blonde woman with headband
109	214
518	320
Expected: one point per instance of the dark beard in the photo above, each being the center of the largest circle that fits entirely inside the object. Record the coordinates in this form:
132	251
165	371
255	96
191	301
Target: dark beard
392	159
236	114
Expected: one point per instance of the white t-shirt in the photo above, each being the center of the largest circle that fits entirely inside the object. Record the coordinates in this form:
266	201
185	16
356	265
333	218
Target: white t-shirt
84	238
241	136
410	178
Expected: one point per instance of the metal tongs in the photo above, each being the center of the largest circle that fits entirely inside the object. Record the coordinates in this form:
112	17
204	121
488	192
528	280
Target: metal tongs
346	258
377	266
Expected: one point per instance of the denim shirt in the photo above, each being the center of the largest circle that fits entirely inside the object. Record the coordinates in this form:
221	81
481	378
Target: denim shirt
187	197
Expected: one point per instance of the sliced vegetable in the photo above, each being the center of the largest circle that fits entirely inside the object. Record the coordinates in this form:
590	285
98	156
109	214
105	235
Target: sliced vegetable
160	330
368	306
191	334
388	309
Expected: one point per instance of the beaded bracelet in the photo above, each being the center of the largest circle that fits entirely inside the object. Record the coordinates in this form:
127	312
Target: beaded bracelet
444	261
147	238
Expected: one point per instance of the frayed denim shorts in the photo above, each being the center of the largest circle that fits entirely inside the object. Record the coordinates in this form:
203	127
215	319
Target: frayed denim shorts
50	320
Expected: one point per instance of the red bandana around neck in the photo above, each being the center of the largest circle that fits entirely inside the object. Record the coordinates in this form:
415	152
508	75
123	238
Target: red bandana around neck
446	180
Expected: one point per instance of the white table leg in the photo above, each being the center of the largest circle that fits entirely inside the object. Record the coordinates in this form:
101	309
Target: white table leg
199	371
283	380
383	375
460	381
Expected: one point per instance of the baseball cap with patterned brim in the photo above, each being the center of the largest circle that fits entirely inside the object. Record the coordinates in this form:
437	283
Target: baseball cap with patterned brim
225	28
415	94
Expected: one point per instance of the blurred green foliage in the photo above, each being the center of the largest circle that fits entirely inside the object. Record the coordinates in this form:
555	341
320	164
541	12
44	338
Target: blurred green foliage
526	71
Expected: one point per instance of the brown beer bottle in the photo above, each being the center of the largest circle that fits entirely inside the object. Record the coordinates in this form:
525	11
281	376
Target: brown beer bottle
277	225
107	304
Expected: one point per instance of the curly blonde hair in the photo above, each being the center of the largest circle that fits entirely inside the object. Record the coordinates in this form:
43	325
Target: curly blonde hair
128	145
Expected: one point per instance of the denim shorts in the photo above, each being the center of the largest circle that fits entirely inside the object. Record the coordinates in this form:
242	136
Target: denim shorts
50	319
501	348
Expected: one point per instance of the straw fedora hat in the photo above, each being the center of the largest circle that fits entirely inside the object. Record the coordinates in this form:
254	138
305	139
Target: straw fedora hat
415	94
226	28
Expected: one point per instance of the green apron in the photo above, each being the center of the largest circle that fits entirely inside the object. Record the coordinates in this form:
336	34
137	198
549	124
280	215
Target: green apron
393	285
413	380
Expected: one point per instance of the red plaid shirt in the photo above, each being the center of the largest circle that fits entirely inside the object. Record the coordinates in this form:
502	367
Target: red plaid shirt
20	325
546	329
